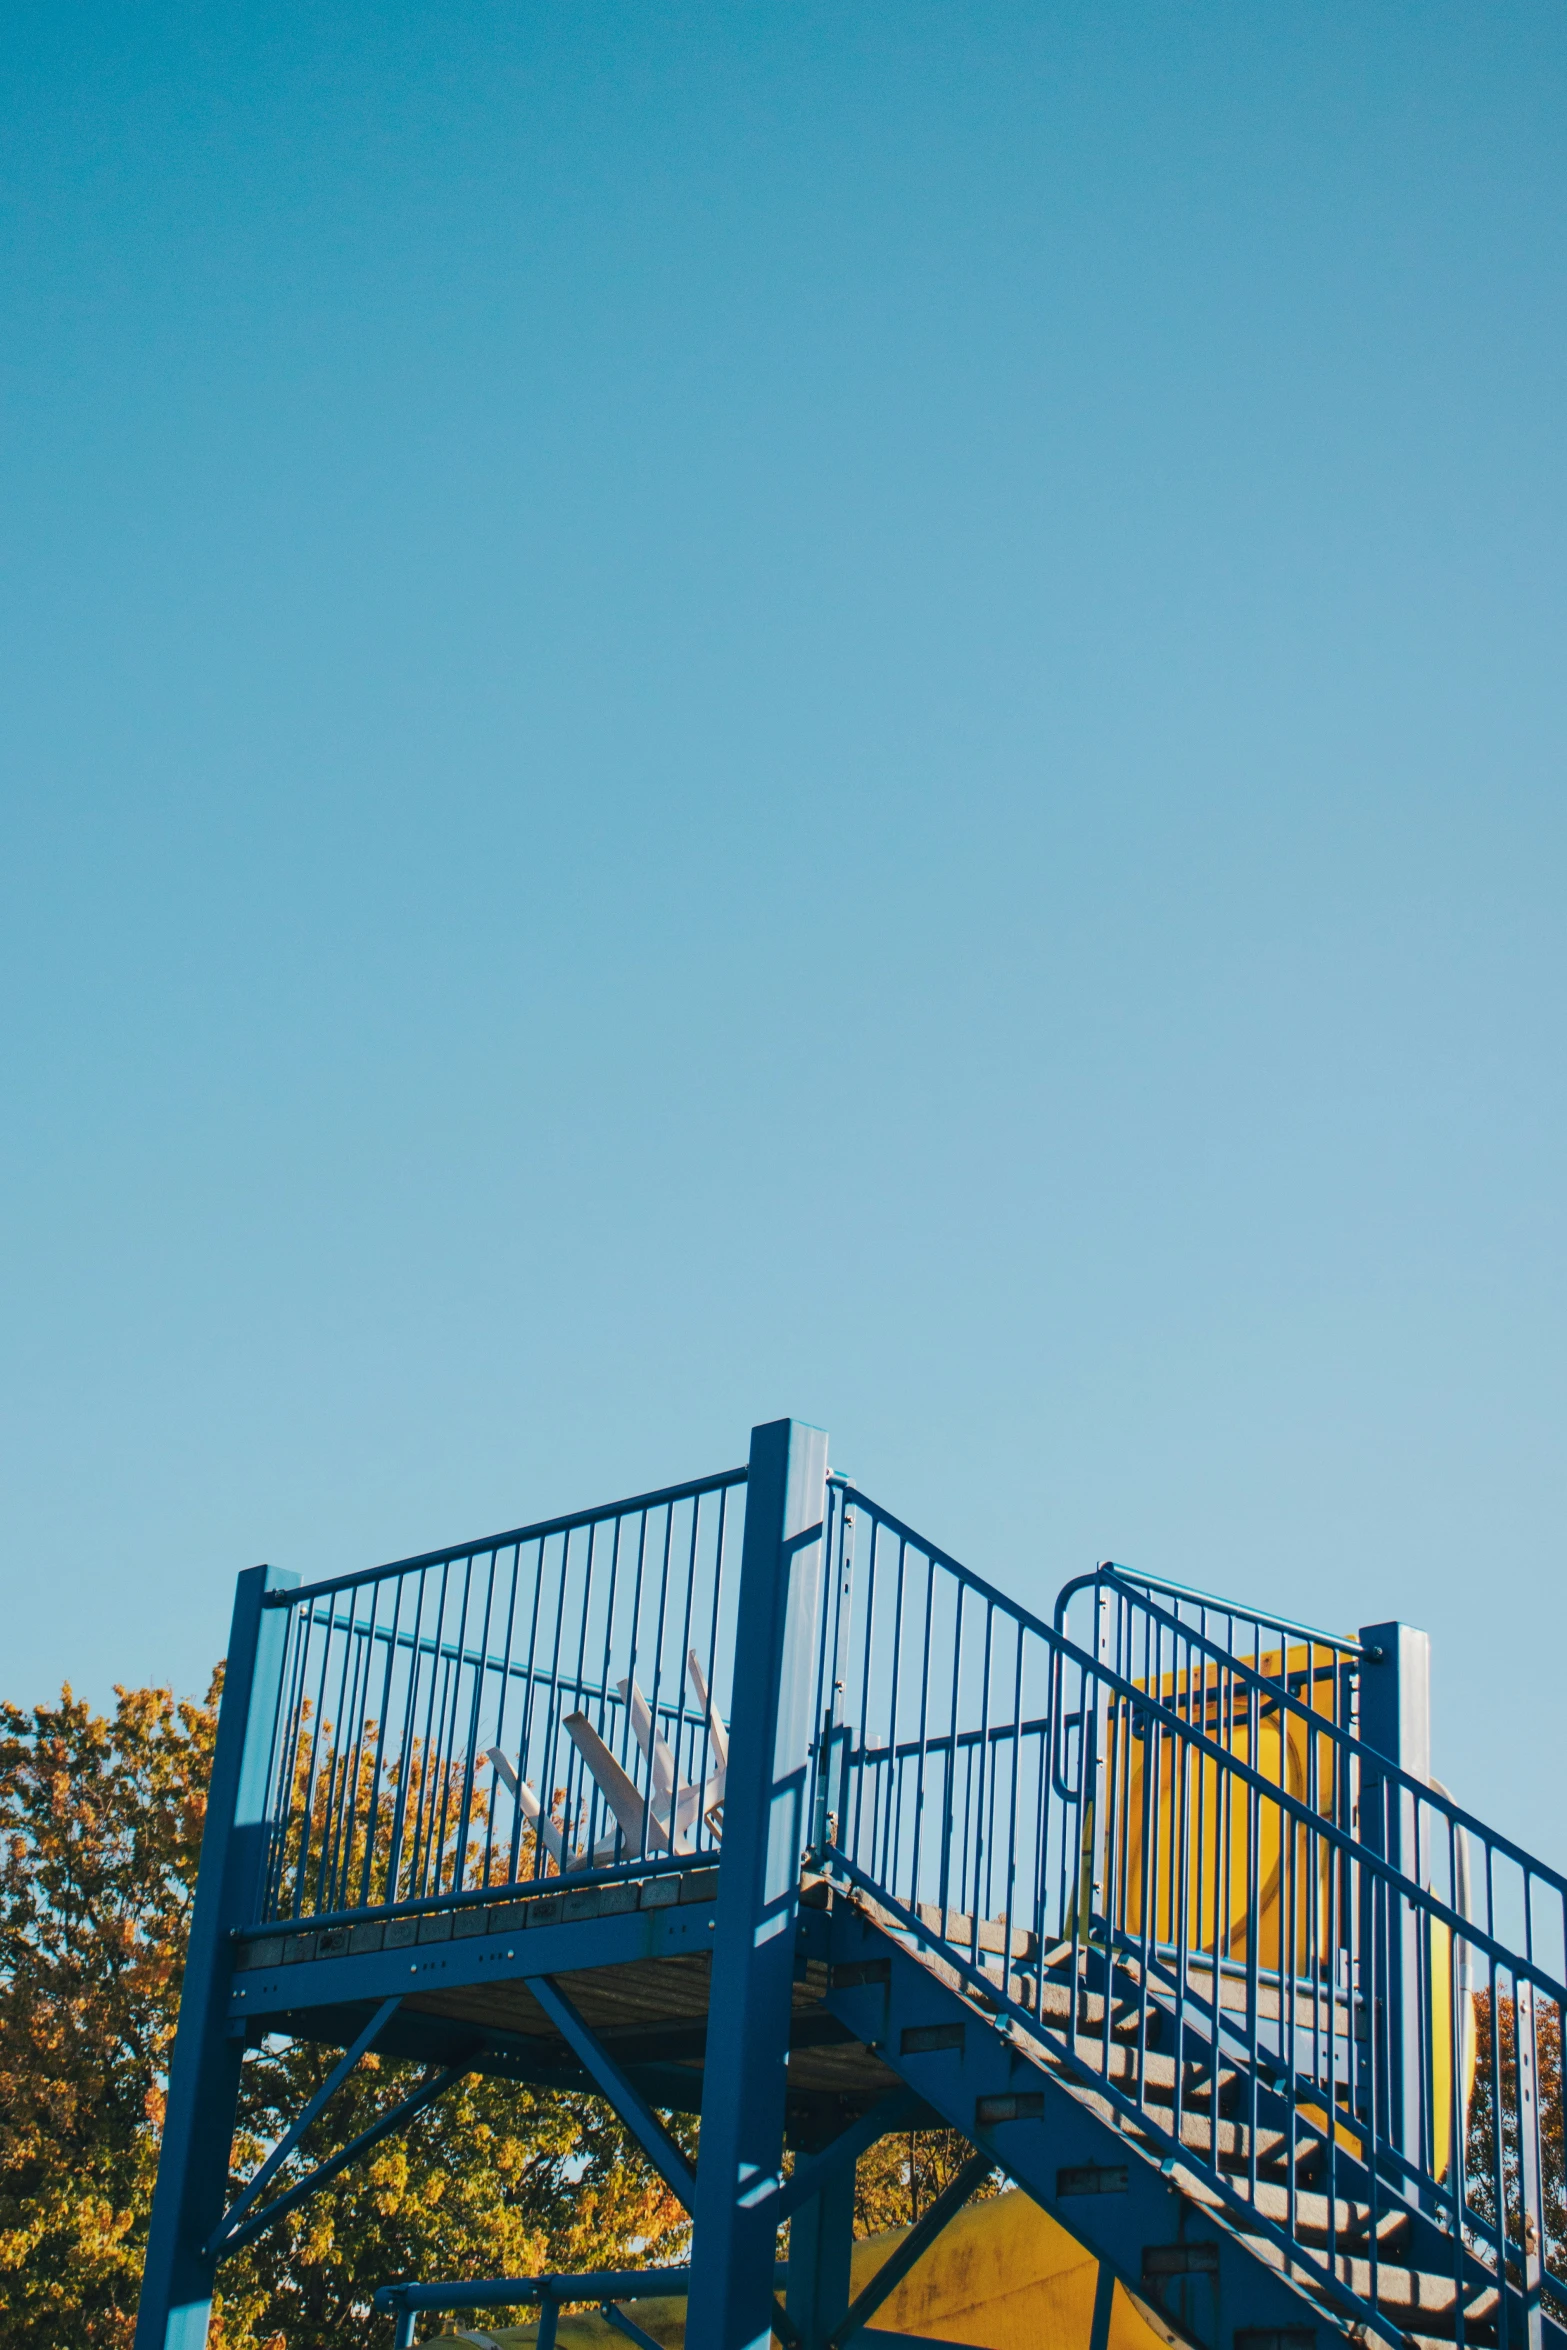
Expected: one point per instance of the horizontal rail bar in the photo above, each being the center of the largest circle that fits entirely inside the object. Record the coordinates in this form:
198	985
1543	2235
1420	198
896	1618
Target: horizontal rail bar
1112	1570
448	1652
599	2284
604	1514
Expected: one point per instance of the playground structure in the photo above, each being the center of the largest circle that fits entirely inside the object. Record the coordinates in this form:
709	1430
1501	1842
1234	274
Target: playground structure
742	1799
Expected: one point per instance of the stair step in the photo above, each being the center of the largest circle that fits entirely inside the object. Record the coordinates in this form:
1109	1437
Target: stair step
1317	2222
1415	2299
1066	2034
956	1927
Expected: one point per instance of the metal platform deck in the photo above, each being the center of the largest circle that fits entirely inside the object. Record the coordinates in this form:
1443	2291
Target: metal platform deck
635	1960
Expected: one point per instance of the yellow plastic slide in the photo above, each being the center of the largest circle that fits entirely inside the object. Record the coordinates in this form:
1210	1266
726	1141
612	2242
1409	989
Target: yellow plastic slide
1002	2275
1203	1817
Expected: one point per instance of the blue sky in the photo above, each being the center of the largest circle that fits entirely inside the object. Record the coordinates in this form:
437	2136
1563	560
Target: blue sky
710	711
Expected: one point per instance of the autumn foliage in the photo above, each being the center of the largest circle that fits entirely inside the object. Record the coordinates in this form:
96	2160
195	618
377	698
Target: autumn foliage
101	1823
1493	2151
100	1832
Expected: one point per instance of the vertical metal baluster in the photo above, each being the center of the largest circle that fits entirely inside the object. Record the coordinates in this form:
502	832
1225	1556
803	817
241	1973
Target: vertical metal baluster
863	1732
502	1705
404	1758
950	1785
682	1740
1253	1936
308	1837
431	1674
348	1808
1012	1828
638	1588
286	1766
445	1695
481	1671
333	1794
892	1826
975	1777
1505	2327
553	1716
527	1768
577	1678
822	1671
1181	1861
703	1832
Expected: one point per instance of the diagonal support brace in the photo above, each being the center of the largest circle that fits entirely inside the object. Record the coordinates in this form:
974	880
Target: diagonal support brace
918	2241
301	2123
393	2118
628	2101
627	2326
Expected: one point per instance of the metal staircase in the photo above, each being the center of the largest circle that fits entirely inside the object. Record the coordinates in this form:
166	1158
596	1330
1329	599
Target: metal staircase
743	1799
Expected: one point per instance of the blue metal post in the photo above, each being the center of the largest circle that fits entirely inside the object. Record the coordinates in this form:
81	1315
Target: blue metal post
821	2251
1395	1720
765	1831
193	2165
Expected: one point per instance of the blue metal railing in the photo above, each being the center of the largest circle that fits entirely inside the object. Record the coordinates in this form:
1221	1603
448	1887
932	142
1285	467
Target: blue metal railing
1150	1826
547	1700
1171	1819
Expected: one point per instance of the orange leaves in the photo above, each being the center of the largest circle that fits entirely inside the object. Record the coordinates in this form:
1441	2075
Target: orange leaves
100	1830
96	1875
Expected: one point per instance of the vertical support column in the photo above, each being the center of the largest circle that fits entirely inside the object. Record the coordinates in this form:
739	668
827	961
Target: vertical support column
1104	2308
765	1832
1395	1720
193	2165
821	2252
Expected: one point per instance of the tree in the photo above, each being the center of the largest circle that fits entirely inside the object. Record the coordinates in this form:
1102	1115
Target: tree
100	1830
900	2177
1496	2086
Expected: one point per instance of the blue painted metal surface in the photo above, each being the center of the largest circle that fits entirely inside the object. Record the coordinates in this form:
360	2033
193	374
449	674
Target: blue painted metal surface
1103	1813
193	2164
403	2302
765	1831
1156	1902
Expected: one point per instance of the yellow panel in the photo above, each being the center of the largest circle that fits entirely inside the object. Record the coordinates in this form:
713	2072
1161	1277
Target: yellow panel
1206	1828
1002	2275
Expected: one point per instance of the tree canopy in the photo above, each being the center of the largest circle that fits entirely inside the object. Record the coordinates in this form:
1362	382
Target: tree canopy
100	1833
101	1818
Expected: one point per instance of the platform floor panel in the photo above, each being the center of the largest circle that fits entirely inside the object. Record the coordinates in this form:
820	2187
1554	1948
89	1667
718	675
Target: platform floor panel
635	1960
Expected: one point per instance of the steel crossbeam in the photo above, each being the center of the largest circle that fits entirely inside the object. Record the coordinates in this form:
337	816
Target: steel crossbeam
612	2081
393	2119
297	2128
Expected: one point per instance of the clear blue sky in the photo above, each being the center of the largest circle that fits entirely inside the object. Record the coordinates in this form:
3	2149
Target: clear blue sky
853	710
